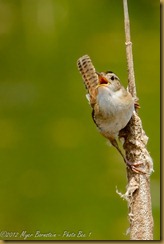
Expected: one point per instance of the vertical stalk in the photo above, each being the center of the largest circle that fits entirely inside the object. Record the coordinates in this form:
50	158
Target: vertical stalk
138	189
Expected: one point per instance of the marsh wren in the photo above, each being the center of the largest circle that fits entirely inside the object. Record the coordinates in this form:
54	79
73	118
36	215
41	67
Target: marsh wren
112	105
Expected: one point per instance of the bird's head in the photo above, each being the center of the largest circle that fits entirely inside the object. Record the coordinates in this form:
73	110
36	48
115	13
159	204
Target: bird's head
109	80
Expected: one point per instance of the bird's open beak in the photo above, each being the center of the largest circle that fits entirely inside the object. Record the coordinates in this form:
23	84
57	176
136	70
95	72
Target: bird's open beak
102	79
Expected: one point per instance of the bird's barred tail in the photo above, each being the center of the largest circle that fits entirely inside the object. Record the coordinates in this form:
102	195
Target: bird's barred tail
88	73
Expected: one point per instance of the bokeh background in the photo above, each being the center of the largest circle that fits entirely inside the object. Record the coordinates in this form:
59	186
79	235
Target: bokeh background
57	173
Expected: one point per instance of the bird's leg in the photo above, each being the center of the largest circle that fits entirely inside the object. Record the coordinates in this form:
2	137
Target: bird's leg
132	166
115	144
136	103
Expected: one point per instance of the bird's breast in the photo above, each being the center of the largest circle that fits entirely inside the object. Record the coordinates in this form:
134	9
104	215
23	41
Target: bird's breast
113	110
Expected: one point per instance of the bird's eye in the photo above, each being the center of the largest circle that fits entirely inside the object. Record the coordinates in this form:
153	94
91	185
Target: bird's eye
112	78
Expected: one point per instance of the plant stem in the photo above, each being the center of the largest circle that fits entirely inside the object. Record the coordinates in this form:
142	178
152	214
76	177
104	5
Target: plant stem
138	189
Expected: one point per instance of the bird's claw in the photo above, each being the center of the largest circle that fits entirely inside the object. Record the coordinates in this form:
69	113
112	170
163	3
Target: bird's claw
134	167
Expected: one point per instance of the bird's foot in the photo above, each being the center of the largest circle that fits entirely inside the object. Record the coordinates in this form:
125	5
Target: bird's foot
135	167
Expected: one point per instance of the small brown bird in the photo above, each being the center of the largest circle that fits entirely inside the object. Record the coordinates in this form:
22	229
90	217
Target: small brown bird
112	104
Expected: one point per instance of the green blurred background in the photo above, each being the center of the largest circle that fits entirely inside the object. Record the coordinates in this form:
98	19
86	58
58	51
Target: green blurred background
57	173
